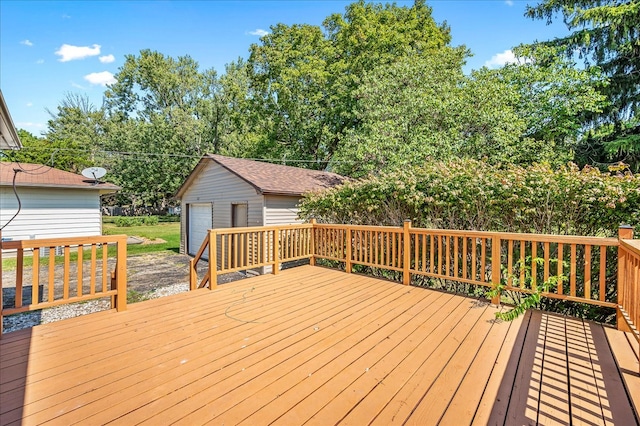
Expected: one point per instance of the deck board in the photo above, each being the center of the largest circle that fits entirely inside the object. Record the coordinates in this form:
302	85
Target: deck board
312	346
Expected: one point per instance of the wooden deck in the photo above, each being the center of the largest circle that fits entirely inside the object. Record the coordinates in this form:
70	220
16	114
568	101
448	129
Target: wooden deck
313	346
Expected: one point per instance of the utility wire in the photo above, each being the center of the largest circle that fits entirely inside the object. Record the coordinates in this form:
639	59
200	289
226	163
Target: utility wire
15	191
139	154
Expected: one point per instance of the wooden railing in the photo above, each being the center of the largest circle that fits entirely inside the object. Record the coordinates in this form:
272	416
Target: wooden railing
240	249
521	261
584	267
52	282
629	282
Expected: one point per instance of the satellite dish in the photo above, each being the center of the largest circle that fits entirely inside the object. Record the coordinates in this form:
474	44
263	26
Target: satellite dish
94	173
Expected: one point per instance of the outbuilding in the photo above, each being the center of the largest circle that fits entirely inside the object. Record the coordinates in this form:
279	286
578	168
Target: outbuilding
225	192
48	202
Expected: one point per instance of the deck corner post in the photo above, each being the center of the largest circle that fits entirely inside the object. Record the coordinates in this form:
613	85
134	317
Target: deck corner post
121	274
625	232
312	249
213	259
349	245
406	256
495	267
276	251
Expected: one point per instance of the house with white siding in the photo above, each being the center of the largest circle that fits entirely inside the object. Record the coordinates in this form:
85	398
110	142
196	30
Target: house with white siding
9	138
50	203
225	192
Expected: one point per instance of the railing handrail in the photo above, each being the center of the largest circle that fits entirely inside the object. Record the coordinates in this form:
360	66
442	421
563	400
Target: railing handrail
632	246
59	242
114	283
603	241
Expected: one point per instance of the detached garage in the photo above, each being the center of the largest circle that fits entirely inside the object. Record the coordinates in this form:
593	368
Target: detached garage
225	192
52	203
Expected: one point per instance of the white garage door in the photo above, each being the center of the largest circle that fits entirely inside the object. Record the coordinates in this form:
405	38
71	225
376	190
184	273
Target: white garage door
199	223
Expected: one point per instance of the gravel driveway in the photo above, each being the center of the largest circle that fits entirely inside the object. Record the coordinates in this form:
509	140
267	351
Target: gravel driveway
148	276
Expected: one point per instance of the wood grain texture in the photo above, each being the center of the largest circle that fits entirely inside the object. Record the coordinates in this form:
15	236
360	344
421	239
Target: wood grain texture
311	345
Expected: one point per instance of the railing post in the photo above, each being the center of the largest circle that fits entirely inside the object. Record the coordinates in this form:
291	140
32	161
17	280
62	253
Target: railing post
406	256
121	274
625	232
312	249
193	277
495	267
347	260
213	259
276	251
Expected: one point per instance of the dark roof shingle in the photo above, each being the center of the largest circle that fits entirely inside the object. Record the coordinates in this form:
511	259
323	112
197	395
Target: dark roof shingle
272	179
38	175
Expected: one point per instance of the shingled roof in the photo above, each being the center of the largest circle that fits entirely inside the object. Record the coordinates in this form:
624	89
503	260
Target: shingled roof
270	179
39	175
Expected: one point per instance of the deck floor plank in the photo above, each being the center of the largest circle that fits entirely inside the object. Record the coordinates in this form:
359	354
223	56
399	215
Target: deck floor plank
341	392
320	323
146	376
619	376
494	403
133	345
586	402
554	404
315	346
525	393
398	409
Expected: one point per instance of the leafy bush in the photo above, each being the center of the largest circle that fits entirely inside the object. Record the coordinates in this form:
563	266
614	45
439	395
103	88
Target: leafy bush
469	194
127	221
150	220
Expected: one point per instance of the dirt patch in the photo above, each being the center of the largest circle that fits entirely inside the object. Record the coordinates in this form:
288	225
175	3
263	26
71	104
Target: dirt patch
145	273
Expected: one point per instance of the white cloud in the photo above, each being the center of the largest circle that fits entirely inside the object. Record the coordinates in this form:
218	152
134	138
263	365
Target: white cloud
107	59
68	52
65	16
29	104
509	2
259	32
40	61
501	59
27	42
102	78
77	86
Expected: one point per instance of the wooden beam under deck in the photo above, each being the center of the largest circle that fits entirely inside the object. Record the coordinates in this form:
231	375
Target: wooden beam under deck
312	346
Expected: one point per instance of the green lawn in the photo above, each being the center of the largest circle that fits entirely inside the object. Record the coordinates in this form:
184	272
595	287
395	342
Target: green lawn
170	232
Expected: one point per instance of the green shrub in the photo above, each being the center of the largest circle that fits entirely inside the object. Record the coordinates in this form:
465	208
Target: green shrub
169	218
150	220
468	194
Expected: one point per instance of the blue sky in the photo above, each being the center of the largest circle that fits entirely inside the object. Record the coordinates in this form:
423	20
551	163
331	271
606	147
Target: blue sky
49	48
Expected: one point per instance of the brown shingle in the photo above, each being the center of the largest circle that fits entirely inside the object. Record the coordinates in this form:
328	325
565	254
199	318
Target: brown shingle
38	175
271	179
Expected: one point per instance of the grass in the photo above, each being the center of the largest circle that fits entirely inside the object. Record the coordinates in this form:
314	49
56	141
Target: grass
170	232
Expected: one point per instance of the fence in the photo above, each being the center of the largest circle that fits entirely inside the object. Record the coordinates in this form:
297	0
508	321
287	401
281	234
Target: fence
52	283
583	268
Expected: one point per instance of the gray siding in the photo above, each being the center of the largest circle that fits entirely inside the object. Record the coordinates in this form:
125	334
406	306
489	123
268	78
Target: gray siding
216	184
50	213
281	210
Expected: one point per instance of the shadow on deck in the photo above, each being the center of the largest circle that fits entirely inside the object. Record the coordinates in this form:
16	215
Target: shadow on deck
313	346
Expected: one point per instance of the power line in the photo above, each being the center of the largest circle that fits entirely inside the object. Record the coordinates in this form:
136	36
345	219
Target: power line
139	154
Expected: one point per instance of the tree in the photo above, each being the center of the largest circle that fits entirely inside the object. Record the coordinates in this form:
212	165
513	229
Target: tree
164	114
426	108
304	79
74	133
605	34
